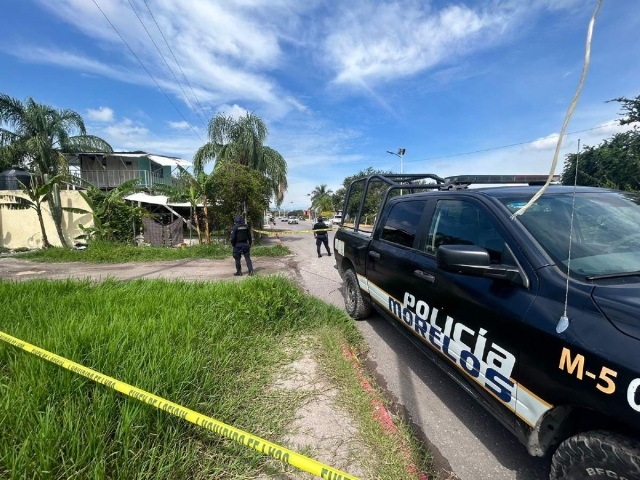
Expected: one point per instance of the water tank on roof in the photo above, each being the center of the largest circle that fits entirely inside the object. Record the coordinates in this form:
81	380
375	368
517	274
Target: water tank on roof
9	178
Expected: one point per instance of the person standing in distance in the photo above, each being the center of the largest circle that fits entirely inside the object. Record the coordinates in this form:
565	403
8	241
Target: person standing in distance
241	241
321	236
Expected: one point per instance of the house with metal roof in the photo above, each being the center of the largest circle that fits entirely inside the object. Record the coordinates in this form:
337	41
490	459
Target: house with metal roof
109	170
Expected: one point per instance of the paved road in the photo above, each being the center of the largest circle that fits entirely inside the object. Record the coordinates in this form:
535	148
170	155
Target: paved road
463	436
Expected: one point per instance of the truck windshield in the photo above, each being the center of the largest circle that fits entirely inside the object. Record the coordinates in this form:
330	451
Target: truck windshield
606	230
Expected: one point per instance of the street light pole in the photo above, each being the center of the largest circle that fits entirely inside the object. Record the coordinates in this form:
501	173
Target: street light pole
400	154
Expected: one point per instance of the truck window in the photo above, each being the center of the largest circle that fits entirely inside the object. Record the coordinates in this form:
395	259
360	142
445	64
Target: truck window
402	223
457	222
606	237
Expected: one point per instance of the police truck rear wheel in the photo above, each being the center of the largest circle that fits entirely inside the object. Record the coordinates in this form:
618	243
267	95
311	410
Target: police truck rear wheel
355	304
596	456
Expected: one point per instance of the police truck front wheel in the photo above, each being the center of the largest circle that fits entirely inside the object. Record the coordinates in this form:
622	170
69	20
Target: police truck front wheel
355	304
596	455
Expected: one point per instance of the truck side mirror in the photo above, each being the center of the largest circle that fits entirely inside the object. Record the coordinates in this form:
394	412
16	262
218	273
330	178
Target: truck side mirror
474	261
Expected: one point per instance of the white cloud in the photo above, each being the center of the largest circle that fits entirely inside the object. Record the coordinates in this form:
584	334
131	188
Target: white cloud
102	114
522	159
125	130
611	128
598	133
370	41
316	152
183	125
127	134
381	41
234	111
226	48
545	143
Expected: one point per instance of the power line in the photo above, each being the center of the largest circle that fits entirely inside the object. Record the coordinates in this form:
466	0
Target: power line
176	60
146	70
166	63
496	148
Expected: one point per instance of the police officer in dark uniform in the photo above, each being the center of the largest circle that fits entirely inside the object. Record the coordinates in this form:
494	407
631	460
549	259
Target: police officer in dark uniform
322	237
241	241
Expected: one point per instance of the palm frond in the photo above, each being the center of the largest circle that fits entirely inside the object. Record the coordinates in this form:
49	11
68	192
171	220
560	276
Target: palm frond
275	169
220	129
13	202
173	194
77	181
12	111
7	137
85	143
88	200
79	211
204	155
126	188
71	121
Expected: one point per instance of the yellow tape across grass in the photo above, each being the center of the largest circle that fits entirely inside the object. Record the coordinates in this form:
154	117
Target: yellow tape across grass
240	436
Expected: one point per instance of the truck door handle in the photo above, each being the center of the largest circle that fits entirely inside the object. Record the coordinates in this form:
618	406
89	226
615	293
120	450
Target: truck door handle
424	276
374	254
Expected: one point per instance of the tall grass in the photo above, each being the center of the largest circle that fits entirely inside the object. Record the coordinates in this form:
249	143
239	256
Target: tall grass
212	347
103	252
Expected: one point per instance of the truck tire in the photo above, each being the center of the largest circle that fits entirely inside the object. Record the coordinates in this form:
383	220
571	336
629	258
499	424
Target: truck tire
355	304
596	455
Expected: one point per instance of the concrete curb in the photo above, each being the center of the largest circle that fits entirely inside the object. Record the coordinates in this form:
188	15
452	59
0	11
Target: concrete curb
381	414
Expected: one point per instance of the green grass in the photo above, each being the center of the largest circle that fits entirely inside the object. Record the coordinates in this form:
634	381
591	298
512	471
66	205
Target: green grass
389	455
211	347
110	253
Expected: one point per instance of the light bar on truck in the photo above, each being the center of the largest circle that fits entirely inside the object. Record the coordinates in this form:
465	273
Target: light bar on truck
499	179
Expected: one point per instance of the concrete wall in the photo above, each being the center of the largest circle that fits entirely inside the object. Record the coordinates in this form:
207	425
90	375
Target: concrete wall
20	228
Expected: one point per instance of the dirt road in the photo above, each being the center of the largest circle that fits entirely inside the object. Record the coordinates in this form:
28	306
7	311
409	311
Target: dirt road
12	268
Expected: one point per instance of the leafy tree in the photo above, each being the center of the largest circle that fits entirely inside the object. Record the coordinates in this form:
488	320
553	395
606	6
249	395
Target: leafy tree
630	109
36	196
615	163
113	216
241	140
5	159
37	136
233	189
372	200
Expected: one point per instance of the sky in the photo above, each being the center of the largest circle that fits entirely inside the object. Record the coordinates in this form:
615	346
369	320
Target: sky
338	83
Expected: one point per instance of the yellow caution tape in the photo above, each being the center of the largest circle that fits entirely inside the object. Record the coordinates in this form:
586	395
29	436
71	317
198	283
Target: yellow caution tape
293	233
240	436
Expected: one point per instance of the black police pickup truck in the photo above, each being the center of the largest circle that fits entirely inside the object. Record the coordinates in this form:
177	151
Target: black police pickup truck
485	293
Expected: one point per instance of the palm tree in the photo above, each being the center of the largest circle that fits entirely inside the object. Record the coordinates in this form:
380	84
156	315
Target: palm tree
318	195
36	195
242	140
324	204
37	136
